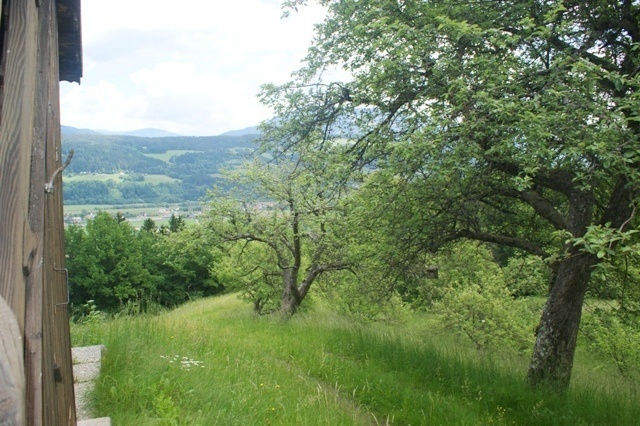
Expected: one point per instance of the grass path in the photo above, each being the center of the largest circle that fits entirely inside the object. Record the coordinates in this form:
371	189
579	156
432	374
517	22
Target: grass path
212	362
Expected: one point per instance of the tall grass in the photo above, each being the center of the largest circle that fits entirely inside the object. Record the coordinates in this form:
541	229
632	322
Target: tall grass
212	362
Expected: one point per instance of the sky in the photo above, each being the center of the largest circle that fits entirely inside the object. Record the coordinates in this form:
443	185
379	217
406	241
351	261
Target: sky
192	67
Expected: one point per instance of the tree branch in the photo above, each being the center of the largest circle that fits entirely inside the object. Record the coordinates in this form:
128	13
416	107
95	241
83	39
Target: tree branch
505	241
543	207
558	180
317	270
251	237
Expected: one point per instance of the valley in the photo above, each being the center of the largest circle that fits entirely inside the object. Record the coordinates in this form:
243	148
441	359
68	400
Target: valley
147	176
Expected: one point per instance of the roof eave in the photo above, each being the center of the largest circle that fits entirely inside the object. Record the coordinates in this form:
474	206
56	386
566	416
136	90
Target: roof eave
69	40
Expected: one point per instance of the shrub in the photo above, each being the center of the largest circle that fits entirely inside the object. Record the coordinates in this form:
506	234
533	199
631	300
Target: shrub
476	302
486	314
613	335
526	276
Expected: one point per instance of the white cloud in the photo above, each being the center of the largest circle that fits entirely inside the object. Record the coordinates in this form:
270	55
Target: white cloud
194	69
102	106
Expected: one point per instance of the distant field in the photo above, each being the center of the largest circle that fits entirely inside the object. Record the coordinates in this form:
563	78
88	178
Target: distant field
77	209
158	179
154	211
170	153
116	177
102	177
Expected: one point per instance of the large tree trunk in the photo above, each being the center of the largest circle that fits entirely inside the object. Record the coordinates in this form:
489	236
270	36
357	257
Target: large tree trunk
557	332
291	297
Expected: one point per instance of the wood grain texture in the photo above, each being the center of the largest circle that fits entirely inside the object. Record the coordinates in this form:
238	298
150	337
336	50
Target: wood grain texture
35	279
16	132
12	387
58	395
31	222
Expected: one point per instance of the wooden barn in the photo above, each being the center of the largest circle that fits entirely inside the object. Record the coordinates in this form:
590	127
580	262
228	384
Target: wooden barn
41	45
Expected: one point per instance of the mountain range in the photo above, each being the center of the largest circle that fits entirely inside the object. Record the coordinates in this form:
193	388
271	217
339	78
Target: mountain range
149	132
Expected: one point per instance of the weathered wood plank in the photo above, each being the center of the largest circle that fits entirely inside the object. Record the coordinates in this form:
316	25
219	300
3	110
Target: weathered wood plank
35	279
16	132
31	223
12	403
56	308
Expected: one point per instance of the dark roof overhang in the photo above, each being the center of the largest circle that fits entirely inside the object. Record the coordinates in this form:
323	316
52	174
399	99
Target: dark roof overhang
69	40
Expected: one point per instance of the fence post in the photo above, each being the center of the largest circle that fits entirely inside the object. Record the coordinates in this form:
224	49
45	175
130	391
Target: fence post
12	386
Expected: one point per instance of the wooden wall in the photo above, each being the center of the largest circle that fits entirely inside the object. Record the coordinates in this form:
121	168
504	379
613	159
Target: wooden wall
32	276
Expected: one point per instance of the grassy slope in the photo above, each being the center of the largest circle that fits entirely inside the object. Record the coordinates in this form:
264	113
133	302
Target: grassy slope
230	368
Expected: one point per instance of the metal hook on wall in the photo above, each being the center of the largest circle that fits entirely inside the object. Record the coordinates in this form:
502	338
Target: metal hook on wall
66	274
48	187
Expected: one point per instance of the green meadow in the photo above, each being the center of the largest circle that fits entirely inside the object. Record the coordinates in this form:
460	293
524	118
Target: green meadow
212	362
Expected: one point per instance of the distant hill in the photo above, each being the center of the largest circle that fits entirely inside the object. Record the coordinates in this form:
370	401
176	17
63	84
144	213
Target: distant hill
151	132
68	130
125	169
141	133
253	130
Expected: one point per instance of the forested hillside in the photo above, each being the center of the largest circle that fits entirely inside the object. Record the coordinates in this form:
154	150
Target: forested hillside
116	169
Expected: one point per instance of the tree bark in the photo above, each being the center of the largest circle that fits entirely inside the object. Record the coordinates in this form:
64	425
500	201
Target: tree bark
557	332
291	298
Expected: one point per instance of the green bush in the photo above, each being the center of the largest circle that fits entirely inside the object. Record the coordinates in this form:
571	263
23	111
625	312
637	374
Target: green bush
527	276
123	269
614	336
477	304
487	314
365	296
260	285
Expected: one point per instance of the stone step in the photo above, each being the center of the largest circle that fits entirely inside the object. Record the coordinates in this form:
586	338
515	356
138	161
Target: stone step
102	421
87	361
87	354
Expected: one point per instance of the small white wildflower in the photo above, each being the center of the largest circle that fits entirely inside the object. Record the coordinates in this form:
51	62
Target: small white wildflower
185	362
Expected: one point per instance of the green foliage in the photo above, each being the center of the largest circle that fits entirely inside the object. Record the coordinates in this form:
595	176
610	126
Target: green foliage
87	313
487	314
292	209
252	270
121	269
612	321
149	225
133	177
475	301
106	264
511	125
527	276
188	259
606	242
365	294
176	223
612	335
